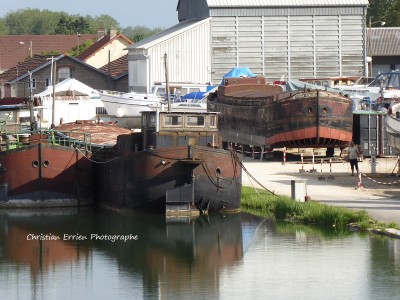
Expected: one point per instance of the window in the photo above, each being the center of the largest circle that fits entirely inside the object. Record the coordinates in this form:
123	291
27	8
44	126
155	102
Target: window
32	83
48	82
160	91
195	121
101	111
172	120
64	73
213	121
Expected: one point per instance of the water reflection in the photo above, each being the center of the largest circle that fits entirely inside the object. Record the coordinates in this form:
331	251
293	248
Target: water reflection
161	261
232	256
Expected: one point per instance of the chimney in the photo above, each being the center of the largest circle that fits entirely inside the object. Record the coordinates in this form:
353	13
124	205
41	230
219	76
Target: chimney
101	32
113	33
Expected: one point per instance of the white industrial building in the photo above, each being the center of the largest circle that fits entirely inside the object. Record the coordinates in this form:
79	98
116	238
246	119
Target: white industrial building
274	38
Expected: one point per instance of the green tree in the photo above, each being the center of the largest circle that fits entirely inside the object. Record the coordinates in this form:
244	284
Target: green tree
102	21
3	27
138	33
393	16
72	25
31	21
378	11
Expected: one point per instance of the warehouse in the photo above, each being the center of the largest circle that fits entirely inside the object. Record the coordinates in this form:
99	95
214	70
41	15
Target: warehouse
274	38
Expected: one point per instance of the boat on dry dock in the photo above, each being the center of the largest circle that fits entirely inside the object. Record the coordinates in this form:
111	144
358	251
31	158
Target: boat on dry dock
126	108
392	127
255	113
174	164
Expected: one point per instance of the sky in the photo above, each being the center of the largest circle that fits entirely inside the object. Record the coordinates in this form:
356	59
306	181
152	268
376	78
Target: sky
148	13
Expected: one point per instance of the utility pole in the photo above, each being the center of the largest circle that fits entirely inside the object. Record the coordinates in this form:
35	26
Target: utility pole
32	117
53	81
167	81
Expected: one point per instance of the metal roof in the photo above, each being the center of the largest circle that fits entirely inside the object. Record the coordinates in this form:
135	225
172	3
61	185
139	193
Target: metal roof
383	41
167	34
274	3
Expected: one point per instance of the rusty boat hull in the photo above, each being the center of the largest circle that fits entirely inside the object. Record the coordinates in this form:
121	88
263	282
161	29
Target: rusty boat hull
45	175
255	113
204	178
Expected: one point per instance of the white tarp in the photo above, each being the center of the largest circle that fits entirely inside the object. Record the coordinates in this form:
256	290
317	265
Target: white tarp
69	87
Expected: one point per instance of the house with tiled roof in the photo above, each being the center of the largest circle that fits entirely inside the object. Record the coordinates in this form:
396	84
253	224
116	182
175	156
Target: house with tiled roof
15	49
107	49
118	71
33	75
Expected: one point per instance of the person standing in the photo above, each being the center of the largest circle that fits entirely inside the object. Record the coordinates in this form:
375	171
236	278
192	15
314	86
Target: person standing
354	153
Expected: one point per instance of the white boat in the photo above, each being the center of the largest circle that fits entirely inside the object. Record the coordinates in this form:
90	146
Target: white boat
73	101
126	108
392	127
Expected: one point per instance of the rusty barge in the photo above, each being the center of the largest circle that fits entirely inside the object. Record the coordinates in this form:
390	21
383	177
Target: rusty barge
174	164
47	168
255	113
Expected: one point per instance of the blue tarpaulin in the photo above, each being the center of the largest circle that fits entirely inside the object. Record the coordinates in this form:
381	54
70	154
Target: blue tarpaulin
237	72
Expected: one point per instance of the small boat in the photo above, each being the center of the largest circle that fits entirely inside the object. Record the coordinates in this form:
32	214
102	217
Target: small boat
259	114
379	93
174	164
126	108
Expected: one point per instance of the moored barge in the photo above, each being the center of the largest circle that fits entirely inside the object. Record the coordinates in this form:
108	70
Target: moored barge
174	164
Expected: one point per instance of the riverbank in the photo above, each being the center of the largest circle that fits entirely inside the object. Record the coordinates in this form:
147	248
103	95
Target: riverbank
332	184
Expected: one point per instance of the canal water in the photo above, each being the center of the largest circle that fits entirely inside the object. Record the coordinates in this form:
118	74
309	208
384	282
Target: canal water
86	254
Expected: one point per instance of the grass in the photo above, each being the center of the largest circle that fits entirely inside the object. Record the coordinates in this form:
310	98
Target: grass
264	203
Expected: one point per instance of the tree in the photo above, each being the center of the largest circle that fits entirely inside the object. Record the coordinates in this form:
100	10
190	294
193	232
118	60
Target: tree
393	16
72	25
102	21
138	33
31	21
378	11
3	27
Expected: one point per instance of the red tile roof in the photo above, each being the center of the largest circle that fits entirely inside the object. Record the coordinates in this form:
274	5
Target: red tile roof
94	48
117	67
12	52
23	67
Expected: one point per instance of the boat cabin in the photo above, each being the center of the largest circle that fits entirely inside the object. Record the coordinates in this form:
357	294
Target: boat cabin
331	82
167	129
178	90
14	118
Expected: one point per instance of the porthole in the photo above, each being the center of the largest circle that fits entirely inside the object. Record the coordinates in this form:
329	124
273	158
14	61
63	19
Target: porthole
46	163
310	110
35	164
325	110
218	172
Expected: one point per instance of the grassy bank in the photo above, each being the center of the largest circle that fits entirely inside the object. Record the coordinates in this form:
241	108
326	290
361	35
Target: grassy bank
263	203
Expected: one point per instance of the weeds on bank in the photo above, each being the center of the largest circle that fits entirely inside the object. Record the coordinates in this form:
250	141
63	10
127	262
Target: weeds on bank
264	203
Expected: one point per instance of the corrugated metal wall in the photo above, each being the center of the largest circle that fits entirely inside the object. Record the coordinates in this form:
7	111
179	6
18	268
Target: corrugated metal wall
188	60
288	43
188	56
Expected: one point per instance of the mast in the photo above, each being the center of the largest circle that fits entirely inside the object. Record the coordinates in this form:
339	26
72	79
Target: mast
167	82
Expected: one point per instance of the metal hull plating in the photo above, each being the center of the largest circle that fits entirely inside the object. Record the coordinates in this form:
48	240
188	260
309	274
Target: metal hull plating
259	115
44	175
141	180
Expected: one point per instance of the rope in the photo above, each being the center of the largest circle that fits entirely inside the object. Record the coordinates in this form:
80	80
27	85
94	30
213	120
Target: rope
252	177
